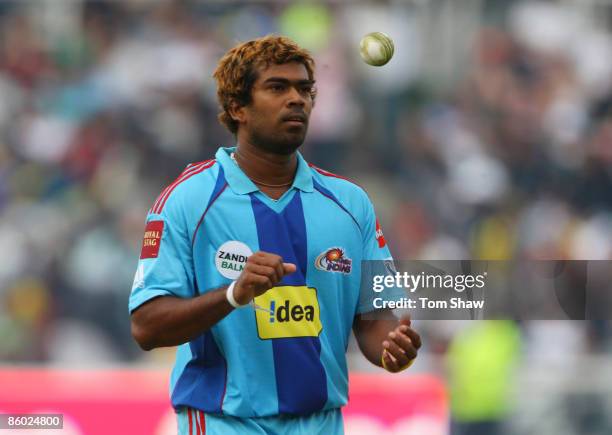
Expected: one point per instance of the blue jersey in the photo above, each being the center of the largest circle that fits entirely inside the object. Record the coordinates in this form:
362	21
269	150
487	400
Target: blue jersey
288	356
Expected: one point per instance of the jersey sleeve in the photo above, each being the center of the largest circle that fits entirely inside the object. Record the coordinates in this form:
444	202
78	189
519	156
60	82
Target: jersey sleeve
376	260
165	267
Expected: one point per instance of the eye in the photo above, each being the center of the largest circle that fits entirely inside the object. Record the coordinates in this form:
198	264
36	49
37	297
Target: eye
277	88
306	90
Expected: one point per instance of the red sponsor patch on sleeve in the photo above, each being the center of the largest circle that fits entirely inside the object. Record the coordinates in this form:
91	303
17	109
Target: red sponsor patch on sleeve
380	238
152	239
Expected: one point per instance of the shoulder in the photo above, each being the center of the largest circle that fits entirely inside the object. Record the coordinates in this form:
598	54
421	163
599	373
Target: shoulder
192	186
346	193
343	188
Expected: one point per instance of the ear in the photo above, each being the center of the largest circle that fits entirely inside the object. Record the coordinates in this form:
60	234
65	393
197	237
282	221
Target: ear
237	112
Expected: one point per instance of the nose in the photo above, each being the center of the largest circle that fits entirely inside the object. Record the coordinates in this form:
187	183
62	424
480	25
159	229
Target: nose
296	98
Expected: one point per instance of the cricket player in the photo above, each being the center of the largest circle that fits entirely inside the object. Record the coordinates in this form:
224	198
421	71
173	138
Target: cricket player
251	264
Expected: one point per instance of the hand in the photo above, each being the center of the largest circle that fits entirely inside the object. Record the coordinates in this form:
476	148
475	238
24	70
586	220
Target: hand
261	272
400	348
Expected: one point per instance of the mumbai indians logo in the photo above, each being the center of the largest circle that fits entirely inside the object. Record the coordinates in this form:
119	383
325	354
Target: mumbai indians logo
333	260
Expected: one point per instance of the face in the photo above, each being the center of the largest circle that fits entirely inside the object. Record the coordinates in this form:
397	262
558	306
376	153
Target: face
276	120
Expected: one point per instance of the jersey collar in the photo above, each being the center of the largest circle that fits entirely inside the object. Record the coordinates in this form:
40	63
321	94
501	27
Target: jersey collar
241	184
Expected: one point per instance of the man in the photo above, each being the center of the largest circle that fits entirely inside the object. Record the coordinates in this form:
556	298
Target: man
251	265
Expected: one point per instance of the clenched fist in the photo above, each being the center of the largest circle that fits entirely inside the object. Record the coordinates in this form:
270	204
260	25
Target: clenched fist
262	271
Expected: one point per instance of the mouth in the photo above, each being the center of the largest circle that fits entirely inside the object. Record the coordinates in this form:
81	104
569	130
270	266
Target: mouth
296	118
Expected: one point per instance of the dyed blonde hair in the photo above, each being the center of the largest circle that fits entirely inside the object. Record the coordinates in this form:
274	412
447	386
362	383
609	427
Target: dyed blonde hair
237	70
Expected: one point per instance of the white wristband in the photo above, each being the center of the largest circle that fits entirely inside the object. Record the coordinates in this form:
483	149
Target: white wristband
229	294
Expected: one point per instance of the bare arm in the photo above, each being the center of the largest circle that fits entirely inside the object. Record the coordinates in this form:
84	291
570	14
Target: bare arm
370	334
387	333
170	321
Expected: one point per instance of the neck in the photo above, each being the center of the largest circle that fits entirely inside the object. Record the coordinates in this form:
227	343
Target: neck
269	168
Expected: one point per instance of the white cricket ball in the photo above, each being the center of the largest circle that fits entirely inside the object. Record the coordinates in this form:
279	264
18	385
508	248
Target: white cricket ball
376	48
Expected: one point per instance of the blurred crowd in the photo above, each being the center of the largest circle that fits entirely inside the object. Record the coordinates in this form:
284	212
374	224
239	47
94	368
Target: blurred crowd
103	103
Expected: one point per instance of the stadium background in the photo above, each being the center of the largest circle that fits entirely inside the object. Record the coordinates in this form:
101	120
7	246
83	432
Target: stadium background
488	136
